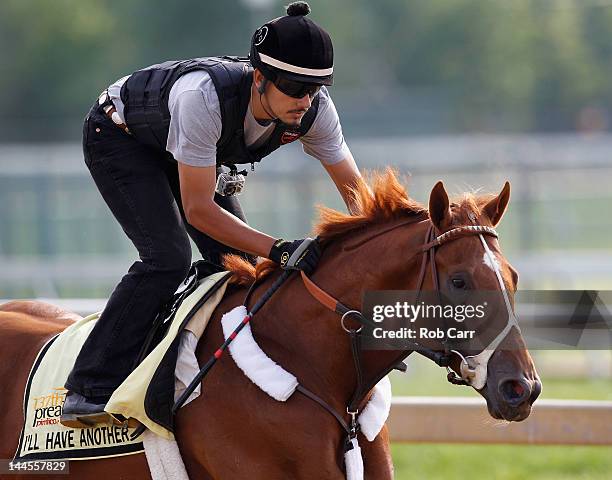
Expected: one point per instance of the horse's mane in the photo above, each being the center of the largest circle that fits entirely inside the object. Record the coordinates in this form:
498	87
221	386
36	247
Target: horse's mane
378	199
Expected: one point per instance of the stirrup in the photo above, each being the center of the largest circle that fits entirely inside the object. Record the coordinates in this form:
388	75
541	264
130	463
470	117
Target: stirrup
122	421
76	420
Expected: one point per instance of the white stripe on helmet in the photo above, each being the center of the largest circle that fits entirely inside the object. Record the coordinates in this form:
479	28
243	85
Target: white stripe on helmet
315	72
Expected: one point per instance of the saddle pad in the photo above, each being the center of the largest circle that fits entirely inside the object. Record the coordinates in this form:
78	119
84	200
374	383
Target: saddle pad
42	436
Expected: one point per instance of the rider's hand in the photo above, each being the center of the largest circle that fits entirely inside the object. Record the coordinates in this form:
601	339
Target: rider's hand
300	254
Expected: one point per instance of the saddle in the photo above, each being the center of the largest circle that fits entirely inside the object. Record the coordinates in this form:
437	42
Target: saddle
197	272
148	393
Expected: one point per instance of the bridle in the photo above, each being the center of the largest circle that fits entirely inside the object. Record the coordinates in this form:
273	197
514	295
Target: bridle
473	369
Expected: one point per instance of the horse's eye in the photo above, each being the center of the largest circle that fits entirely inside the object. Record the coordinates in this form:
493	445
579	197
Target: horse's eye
458	283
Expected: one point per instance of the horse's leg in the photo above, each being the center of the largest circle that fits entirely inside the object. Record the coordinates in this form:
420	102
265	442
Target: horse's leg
377	462
264	463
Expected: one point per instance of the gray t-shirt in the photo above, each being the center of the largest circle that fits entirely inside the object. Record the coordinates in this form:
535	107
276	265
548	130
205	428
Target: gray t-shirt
195	123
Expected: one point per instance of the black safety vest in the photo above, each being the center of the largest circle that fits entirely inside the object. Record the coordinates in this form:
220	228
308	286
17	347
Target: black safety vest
145	97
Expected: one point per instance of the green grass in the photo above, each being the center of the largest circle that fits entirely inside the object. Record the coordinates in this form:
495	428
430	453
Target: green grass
499	462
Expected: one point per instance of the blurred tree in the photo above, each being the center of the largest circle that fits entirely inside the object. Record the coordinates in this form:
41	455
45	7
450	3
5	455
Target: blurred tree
57	56
537	62
490	64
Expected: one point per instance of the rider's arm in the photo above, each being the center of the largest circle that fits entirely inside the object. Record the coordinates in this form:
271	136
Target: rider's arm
201	211
325	142
345	175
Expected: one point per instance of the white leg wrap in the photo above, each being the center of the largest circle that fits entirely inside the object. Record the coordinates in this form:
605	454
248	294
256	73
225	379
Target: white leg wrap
354	462
164	458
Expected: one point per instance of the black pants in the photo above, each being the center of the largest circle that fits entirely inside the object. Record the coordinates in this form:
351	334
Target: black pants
141	187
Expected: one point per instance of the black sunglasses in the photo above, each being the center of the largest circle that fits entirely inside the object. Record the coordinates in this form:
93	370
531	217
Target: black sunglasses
296	89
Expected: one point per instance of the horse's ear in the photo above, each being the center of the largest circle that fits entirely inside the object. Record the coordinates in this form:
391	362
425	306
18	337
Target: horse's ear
439	208
495	208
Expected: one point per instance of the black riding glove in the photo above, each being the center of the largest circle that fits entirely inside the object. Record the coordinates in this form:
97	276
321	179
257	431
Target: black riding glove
300	254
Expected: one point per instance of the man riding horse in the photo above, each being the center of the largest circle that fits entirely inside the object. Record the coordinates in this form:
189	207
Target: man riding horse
155	143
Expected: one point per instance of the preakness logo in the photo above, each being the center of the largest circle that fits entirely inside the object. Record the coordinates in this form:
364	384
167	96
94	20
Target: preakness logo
48	408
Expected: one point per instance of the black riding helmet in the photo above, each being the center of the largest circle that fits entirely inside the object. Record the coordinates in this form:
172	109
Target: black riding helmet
293	52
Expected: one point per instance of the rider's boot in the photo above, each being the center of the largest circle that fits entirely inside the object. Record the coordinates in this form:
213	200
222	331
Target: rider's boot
80	412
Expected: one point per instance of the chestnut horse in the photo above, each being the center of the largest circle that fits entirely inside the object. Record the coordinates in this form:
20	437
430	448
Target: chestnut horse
236	431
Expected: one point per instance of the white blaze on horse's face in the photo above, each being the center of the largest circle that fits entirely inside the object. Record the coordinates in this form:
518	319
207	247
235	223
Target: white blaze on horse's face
491	261
474	367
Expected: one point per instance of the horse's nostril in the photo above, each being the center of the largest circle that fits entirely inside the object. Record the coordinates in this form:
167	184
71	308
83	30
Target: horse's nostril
535	391
514	391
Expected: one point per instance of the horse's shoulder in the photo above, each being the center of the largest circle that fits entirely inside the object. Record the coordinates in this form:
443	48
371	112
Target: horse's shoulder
39	311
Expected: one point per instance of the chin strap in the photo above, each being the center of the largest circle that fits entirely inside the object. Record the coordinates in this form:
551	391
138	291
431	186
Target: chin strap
261	90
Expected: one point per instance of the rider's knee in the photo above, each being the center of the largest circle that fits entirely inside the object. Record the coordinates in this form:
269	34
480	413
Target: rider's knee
172	262
177	262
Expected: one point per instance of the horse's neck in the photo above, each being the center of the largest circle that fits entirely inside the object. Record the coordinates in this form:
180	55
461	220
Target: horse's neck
307	339
394	261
